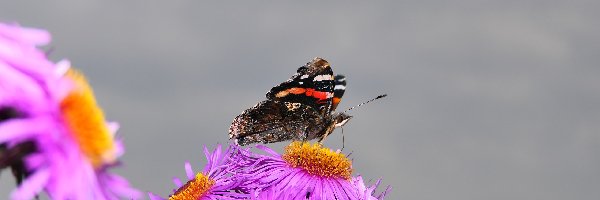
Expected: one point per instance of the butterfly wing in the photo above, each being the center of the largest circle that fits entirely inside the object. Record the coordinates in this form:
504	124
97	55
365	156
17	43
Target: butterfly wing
338	90
312	85
274	121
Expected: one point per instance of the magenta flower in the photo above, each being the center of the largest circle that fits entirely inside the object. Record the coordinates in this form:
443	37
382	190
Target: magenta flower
304	171
52	133
218	180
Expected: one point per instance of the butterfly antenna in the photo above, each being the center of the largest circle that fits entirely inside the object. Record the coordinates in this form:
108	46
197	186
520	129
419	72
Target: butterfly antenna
363	103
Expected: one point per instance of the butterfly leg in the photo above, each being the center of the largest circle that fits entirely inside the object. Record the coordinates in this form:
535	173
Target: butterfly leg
320	141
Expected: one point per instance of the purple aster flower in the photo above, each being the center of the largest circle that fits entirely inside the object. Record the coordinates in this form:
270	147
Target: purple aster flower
52	133
304	171
218	180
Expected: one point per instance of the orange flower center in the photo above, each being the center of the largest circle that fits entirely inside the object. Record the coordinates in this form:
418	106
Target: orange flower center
193	189
86	123
317	160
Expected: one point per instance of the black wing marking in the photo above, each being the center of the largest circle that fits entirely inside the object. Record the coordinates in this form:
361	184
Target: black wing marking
338	90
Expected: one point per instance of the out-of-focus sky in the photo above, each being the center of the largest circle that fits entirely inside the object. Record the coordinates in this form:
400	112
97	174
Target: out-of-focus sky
487	99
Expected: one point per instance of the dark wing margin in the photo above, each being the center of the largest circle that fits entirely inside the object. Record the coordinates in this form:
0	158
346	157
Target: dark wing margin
338	90
274	121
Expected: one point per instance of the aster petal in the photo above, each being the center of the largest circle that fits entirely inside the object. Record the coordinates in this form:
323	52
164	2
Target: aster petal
22	128
368	192
34	160
303	188
336	189
213	160
120	187
371	190
177	182
209	161
382	195
62	67
154	197
216	155
15	83
24	35
113	127
296	179
119	148
218	181
311	185
188	170
348	189
31	186
268	150
275	176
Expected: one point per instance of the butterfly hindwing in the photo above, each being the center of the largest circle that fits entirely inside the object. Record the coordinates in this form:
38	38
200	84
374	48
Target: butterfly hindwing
274	121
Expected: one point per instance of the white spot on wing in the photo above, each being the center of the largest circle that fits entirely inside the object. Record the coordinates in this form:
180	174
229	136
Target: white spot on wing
323	77
339	87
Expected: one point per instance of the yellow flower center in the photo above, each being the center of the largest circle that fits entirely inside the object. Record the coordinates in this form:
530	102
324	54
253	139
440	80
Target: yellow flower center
317	160
193	189
86	123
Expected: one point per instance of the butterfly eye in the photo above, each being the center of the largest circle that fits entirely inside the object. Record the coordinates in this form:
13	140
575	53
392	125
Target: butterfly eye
7	113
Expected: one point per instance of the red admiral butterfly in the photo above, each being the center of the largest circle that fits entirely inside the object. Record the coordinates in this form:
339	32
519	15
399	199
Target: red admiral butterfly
301	108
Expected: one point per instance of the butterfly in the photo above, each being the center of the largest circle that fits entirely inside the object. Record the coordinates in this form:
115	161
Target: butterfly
301	108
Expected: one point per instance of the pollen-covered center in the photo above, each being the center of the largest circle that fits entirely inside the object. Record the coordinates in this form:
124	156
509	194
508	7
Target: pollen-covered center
317	160
86	123
193	189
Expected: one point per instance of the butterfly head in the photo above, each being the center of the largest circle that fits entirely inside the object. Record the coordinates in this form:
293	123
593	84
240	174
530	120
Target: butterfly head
341	119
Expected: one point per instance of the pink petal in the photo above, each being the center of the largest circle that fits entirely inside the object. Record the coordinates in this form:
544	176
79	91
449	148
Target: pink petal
31	186
30	36
154	197
177	182
22	128
188	171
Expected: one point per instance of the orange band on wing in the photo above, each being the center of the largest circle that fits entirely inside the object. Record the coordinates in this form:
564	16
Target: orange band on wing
336	101
296	90
320	95
306	91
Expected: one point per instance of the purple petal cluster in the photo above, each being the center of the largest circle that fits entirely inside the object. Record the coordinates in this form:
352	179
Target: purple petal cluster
267	176
221	171
271	177
34	140
368	192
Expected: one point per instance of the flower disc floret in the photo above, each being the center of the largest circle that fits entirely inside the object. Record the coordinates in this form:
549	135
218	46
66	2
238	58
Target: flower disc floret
86	122
193	189
316	160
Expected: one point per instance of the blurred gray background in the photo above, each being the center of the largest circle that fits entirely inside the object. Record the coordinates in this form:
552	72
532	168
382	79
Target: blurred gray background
487	99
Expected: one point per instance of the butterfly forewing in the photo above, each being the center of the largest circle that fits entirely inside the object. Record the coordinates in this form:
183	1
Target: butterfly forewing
338	90
312	85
